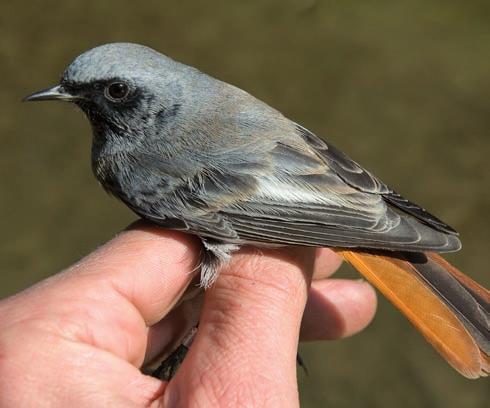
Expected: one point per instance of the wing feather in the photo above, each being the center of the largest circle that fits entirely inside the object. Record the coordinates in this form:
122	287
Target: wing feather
304	192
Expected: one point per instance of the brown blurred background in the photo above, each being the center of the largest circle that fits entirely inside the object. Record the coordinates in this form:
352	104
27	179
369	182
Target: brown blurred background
403	87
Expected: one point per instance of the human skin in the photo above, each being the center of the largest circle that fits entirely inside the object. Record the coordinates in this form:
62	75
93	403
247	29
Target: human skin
80	337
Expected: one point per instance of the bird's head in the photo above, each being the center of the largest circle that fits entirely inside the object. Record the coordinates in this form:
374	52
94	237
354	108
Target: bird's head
123	89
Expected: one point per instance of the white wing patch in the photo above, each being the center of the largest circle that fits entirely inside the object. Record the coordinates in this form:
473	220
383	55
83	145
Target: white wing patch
277	190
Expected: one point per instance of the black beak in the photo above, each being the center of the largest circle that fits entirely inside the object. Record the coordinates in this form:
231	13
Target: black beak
56	93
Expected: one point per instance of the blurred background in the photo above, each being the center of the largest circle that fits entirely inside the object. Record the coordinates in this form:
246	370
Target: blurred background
402	87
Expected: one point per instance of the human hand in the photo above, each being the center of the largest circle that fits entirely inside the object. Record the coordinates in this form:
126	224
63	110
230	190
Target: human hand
80	337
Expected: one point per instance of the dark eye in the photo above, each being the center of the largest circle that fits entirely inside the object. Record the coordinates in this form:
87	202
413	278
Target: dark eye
116	91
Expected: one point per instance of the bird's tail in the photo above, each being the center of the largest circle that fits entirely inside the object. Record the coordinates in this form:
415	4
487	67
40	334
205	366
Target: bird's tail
447	307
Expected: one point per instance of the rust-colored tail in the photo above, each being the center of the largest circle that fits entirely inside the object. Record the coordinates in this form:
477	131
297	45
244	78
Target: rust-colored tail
448	308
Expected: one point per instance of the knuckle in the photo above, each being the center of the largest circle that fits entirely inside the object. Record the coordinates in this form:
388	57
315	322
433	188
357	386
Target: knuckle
281	275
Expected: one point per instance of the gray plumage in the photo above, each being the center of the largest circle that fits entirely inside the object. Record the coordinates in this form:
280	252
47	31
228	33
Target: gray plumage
192	153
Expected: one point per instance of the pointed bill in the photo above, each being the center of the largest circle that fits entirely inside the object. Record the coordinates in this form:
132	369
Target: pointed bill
50	94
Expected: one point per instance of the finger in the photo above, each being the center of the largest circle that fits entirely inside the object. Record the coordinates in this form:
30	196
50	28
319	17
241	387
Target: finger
337	308
326	263
110	297
149	266
245	348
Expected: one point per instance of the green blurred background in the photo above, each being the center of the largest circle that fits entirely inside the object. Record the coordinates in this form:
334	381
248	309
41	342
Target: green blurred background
403	87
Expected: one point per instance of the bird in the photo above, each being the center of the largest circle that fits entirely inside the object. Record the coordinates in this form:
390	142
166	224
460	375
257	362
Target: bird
189	152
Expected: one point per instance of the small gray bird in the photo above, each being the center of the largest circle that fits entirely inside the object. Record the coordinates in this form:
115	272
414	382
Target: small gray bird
192	153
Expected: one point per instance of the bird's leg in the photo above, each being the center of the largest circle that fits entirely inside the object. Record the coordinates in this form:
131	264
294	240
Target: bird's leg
214	255
168	367
185	318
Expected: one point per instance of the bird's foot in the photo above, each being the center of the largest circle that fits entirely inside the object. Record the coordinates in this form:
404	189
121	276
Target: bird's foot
168	367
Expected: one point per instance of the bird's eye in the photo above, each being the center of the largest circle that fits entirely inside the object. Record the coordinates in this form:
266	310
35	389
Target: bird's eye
116	91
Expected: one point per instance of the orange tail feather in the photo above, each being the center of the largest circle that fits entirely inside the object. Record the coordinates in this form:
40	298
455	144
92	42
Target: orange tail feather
452	314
